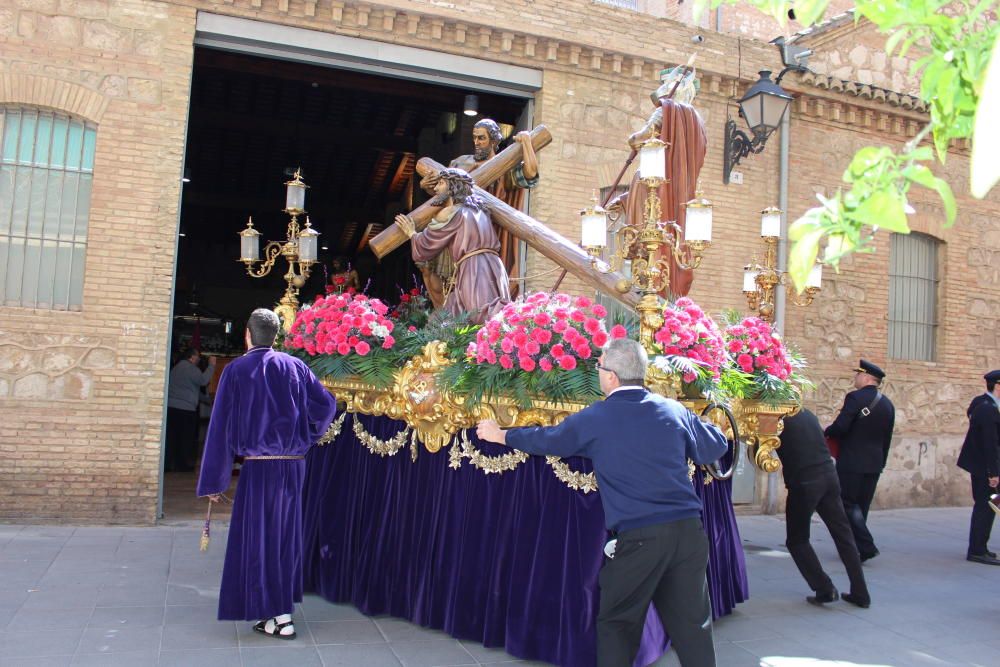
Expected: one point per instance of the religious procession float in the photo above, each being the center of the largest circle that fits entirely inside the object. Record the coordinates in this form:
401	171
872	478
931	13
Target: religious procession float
407	513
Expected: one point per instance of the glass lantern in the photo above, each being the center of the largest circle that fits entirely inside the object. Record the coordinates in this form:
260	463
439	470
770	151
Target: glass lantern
770	222
594	226
698	219
249	243
295	195
308	243
652	159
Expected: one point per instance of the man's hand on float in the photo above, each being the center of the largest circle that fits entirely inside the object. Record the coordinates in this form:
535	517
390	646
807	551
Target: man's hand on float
406	223
490	431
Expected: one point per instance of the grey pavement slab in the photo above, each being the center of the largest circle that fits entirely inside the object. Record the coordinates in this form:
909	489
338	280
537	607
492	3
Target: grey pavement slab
146	596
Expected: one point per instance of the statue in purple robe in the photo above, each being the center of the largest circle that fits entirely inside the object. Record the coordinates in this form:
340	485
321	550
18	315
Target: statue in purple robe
480	284
269	409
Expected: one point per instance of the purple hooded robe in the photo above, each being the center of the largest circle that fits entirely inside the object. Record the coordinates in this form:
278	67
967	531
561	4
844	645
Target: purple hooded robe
268	404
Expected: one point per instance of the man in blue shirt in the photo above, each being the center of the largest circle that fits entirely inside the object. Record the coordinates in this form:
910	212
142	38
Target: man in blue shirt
640	443
980	457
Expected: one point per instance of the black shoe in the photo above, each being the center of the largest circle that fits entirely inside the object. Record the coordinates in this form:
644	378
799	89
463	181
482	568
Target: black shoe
865	557
864	603
986	559
822	598
991	554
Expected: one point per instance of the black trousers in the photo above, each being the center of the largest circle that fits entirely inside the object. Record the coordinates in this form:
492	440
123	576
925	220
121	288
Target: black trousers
663	564
857	491
817	489
182	434
982	516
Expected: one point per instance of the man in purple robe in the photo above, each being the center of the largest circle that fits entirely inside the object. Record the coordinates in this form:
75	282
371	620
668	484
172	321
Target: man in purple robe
480	284
269	409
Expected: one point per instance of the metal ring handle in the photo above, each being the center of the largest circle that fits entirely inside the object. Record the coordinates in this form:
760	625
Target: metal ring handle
713	468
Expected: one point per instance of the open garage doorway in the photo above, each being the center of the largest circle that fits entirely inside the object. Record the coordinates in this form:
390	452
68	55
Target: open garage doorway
356	136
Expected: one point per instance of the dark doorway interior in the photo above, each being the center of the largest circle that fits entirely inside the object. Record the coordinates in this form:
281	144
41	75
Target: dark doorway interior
357	138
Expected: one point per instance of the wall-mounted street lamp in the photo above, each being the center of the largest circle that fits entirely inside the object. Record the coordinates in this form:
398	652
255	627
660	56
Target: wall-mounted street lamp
763	107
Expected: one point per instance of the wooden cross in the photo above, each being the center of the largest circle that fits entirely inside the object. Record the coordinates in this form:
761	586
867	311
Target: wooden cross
538	236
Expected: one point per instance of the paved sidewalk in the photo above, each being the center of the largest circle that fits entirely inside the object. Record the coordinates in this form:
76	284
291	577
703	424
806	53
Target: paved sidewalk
146	596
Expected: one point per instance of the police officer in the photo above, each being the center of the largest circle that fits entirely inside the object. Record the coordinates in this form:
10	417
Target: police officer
864	430
811	479
980	457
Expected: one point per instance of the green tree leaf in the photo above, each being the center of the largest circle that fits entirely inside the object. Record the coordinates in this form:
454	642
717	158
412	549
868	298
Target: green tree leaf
885	209
804	250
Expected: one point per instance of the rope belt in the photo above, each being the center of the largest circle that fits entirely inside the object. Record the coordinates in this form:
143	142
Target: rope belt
273	458
481	251
449	286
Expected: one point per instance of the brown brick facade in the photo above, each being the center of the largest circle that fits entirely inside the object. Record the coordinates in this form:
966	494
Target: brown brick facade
81	393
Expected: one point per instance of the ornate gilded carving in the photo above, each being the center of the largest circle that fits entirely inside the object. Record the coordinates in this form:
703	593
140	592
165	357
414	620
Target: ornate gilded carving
378	446
434	417
574	479
762	424
463	448
334	430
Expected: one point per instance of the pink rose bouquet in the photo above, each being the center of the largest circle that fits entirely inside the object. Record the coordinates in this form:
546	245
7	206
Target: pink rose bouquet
341	324
755	348
544	332
689	333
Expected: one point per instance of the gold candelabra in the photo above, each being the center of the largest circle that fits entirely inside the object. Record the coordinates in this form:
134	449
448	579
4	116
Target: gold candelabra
299	250
650	245
760	282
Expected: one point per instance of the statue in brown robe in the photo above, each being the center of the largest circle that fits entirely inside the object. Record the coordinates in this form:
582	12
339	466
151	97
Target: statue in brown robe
479	283
510	189
678	124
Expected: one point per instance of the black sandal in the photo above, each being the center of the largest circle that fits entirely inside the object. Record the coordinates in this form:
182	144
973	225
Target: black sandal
261	627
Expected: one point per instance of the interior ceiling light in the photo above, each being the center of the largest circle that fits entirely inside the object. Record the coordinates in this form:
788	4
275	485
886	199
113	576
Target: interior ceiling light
471	106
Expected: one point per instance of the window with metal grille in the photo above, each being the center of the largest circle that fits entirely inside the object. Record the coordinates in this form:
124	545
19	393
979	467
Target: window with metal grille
46	171
913	289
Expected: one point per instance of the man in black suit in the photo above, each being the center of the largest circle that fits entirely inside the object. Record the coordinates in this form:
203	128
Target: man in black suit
864	430
980	457
811	479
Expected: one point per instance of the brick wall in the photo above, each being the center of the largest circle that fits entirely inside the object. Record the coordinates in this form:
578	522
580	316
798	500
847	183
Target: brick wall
81	394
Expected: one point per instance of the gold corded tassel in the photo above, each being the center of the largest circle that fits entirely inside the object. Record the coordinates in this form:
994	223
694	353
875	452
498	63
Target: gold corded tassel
205	532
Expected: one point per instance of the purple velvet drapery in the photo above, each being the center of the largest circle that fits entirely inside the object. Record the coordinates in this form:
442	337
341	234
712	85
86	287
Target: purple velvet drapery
508	560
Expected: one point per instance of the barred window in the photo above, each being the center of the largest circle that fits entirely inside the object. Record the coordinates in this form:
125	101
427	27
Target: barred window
913	289
46	170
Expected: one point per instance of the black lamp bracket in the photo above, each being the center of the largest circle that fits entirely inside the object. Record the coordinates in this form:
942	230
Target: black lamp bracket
738	146
790	68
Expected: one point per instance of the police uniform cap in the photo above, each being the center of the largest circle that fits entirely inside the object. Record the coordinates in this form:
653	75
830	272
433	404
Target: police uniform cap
871	369
993	376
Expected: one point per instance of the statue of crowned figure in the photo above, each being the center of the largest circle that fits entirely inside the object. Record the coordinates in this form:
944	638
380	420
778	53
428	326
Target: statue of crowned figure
676	122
